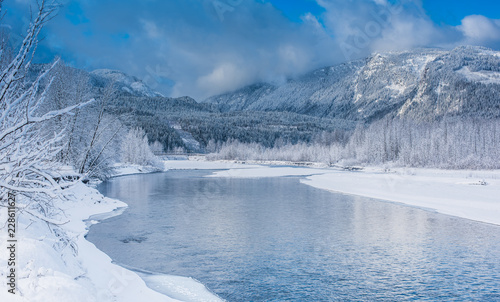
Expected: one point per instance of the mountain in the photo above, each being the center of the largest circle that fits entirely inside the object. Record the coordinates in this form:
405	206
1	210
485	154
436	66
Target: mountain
423	84
420	85
124	82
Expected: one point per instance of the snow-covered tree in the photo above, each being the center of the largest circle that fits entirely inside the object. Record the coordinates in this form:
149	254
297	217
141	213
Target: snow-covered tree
98	136
27	149
453	143
156	148
69	86
135	148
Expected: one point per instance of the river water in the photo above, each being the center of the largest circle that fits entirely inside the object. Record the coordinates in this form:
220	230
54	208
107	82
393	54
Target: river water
275	239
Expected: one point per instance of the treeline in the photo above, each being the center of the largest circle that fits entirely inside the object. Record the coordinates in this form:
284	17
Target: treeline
452	144
265	128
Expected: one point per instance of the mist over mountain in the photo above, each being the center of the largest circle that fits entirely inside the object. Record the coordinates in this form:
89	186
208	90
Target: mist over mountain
423	84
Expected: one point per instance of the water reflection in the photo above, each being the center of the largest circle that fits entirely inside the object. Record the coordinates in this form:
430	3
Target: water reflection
278	239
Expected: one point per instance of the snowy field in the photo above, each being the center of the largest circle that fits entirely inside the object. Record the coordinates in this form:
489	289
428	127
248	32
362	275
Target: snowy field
472	195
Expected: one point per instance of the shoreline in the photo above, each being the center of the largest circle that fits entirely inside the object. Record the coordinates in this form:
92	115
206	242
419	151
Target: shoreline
59	264
84	273
472	198
173	288
467	194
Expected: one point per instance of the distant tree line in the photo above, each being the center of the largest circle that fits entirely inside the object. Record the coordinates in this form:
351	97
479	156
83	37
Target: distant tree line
453	143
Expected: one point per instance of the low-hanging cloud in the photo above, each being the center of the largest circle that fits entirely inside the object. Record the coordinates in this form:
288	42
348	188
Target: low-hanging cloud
205	47
186	42
481	30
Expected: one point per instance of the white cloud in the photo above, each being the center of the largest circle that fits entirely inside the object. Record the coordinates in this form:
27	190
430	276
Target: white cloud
362	27
187	41
203	55
224	77
151	29
479	29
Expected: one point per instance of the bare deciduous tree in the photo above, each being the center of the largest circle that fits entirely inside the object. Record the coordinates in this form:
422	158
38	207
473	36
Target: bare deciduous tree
27	150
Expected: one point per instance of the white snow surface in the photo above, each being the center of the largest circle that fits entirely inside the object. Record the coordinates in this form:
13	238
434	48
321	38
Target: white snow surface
466	194
483	76
199	164
128	169
266	171
47	272
181	288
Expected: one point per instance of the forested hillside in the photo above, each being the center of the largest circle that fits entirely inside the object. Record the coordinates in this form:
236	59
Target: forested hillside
183	122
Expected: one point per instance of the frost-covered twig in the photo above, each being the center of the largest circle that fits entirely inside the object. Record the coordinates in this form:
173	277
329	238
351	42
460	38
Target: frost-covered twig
28	148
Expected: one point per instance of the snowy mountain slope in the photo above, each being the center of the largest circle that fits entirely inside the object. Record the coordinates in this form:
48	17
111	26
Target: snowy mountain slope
422	84
125	82
243	98
458	83
425	84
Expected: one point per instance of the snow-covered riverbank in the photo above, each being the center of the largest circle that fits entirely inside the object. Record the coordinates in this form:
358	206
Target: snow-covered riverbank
50	268
472	195
49	271
467	194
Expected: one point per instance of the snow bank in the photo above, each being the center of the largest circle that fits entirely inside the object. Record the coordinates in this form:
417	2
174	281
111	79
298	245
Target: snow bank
260	172
472	195
465	194
52	269
128	169
200	163
181	288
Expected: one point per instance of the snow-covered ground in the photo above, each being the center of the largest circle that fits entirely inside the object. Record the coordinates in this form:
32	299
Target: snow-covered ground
122	169
472	195
198	163
51	269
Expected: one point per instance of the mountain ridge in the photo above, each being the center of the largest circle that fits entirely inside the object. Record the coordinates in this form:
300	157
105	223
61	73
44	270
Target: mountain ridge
420	84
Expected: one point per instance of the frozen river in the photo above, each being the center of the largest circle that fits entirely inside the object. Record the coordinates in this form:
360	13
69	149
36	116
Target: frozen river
275	239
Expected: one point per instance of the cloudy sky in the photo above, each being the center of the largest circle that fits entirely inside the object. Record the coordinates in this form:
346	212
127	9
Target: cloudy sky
204	47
